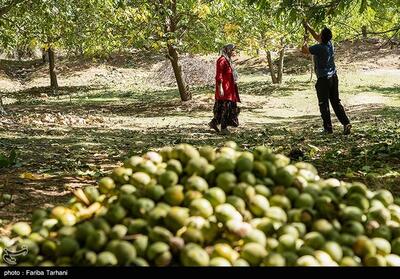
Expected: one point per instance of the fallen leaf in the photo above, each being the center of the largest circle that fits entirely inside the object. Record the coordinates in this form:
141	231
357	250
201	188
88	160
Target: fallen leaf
33	176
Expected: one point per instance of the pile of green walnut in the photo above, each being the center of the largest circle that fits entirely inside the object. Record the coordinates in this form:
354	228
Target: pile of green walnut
184	206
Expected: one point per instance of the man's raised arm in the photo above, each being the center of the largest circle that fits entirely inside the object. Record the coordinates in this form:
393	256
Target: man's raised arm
316	36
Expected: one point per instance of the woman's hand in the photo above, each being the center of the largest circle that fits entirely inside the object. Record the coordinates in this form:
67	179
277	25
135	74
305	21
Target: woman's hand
221	90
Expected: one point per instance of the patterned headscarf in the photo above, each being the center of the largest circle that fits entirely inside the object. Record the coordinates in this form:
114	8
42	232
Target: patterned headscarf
226	50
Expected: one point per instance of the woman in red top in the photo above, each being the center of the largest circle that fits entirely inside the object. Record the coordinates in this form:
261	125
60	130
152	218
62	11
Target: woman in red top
226	110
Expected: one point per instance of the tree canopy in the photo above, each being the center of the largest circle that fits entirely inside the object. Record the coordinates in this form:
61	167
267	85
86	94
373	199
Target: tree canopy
174	27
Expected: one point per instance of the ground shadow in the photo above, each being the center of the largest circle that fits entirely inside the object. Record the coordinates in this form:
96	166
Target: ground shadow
35	92
262	88
65	152
393	91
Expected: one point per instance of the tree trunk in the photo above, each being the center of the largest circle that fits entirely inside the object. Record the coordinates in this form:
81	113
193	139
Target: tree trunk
81	51
2	110
53	75
182	87
271	67
364	32
45	56
170	26
280	64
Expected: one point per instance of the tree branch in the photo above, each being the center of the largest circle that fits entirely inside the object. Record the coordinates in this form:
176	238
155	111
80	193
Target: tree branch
389	40
396	29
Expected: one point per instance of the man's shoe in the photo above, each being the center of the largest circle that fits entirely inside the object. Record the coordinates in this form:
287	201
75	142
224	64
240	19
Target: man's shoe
214	126
325	132
347	129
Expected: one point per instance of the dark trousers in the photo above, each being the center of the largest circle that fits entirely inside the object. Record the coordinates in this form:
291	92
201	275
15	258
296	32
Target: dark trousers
226	113
328	90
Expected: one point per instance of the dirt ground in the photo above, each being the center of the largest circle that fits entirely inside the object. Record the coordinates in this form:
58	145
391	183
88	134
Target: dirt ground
107	110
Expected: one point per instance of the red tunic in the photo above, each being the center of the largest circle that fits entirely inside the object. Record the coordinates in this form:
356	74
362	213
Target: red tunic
224	74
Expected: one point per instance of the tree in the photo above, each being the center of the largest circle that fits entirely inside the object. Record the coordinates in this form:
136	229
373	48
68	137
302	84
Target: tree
172	27
285	16
259	27
86	25
365	18
5	8
358	17
42	23
97	27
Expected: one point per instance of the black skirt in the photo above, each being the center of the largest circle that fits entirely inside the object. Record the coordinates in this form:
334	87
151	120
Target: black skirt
226	113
